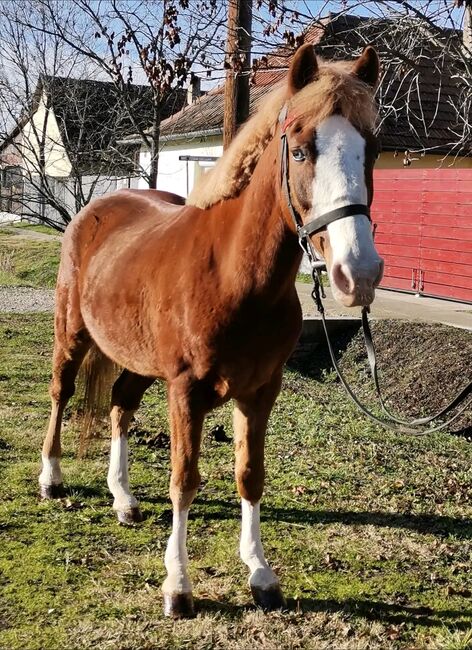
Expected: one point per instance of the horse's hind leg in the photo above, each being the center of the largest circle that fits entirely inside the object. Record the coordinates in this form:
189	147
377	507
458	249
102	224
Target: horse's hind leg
126	396
250	421
67	359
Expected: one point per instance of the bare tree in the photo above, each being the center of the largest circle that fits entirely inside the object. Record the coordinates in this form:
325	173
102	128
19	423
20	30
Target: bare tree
426	63
157	43
58	133
27	59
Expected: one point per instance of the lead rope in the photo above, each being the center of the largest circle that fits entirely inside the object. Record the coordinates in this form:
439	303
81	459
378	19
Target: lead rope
395	424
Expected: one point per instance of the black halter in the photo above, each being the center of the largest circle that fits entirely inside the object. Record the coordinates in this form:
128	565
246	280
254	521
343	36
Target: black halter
318	223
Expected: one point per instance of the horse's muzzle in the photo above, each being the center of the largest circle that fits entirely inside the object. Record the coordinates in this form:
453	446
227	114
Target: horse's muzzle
356	287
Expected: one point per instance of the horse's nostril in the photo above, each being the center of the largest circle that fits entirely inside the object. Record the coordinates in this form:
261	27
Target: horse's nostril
342	278
379	274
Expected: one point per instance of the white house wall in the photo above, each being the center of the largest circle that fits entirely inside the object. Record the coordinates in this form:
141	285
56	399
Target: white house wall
172	175
56	159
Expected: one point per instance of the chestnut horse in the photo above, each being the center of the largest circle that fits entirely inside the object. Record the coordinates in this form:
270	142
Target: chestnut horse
203	295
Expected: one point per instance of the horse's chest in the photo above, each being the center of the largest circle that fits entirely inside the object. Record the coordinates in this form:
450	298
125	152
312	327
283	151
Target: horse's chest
249	349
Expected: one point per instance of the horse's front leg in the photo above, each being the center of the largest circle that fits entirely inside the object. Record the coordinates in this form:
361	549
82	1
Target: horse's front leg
250	422
186	413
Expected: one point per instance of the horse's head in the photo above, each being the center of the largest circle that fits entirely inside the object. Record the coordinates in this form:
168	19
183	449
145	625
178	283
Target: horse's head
331	153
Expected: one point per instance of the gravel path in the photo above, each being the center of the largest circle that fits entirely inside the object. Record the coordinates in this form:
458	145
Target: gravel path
25	299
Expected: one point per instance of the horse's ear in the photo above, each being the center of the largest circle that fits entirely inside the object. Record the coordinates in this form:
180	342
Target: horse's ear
303	69
367	66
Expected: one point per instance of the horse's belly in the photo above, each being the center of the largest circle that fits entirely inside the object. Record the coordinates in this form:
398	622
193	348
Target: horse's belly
116	312
121	339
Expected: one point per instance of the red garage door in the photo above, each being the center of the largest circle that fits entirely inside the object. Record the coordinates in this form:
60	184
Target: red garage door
423	221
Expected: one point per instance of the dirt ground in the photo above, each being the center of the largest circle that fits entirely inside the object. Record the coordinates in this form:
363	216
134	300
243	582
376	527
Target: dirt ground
421	366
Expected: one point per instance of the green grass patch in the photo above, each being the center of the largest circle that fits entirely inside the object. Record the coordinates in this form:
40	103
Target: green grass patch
369	531
306	278
37	227
28	262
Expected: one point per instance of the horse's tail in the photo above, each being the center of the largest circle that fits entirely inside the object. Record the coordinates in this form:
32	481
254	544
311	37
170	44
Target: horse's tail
97	375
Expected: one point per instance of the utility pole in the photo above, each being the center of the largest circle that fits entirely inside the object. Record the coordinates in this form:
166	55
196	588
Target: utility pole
238	65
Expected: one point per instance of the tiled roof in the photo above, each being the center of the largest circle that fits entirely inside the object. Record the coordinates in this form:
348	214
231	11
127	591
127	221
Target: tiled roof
417	103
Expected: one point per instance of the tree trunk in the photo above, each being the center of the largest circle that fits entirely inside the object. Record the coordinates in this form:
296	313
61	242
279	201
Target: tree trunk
156	134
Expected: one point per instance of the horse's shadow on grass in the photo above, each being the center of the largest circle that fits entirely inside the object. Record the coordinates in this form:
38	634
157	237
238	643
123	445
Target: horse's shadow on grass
392	613
311	358
81	491
371	610
426	524
219	509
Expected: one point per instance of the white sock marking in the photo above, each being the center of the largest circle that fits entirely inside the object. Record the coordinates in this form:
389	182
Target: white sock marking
176	557
340	180
250	547
118	481
51	472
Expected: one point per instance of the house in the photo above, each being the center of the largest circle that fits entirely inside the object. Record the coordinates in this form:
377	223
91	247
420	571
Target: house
419	123
63	149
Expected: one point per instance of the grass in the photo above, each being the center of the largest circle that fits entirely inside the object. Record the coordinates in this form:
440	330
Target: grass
306	278
37	227
369	531
27	262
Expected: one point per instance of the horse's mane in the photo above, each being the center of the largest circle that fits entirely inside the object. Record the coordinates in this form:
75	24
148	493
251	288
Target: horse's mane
334	90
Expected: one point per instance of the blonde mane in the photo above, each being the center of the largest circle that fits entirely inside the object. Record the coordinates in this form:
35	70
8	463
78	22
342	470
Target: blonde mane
334	90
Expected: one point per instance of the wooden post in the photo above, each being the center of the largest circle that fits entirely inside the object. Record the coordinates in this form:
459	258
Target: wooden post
238	58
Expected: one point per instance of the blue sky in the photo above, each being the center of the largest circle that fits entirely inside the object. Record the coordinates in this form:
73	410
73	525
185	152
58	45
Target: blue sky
440	9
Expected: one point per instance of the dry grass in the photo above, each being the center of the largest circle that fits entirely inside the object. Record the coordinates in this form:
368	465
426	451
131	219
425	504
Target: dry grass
27	262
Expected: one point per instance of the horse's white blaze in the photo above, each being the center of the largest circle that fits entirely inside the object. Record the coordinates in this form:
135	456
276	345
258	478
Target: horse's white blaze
118	480
340	180
250	547
176	558
51	472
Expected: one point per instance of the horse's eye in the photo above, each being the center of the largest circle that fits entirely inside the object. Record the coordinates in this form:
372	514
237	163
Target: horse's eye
298	155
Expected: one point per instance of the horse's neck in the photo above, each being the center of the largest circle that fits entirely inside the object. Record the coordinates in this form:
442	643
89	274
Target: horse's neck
264	253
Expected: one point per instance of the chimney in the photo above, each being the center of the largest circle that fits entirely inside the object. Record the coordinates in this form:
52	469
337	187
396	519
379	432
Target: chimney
193	90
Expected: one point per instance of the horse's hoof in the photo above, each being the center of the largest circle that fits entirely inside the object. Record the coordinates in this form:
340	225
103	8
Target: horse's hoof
52	491
269	599
129	517
178	605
